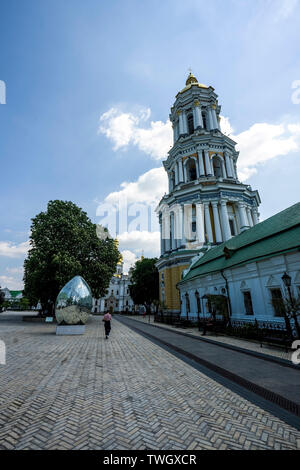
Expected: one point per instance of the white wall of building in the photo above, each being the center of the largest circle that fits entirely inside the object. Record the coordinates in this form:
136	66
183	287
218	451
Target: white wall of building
256	277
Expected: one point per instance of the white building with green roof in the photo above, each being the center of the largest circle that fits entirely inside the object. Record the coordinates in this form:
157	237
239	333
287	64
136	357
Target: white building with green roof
247	270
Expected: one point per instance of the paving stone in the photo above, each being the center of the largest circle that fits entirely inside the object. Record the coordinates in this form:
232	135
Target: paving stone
59	392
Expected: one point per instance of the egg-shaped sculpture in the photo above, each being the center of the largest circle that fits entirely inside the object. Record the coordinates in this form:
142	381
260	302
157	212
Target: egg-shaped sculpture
74	302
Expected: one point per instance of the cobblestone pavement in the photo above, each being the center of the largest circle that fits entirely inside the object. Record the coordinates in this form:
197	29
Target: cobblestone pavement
240	343
85	392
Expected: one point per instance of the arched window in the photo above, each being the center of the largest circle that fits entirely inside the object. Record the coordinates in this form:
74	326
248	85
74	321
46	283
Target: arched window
204	119
190	120
217	167
193	222
191	171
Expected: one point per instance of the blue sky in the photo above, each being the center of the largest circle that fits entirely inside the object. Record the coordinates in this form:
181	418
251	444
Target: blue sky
67	63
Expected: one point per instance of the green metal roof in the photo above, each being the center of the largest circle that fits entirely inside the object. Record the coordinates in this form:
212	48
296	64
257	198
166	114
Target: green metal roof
15	293
279	233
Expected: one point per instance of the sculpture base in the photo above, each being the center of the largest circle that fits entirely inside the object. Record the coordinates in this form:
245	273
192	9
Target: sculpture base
70	330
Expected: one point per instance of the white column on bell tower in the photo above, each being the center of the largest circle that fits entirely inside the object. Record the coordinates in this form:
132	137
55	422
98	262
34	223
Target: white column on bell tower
181	125
228	165
218	232
207	163
200	223
225	220
201	166
210	118
208	222
255	215
249	215
244	223
198	122
214	118
180	167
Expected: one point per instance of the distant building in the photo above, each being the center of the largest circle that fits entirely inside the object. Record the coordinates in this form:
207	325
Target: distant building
12	295
249	267
118	296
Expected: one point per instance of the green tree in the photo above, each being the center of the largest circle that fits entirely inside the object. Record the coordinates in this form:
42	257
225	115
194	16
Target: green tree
64	244
24	303
144	283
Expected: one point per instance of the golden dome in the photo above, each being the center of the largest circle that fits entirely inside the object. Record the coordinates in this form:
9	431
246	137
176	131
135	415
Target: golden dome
191	79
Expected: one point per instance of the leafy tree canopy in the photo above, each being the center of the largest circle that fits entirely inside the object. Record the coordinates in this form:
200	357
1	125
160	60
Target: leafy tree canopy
144	284
64	244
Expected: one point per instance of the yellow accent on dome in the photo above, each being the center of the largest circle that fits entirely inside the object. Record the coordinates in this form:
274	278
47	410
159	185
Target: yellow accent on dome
191	79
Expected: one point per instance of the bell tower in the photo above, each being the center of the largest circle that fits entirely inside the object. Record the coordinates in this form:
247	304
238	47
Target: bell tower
206	204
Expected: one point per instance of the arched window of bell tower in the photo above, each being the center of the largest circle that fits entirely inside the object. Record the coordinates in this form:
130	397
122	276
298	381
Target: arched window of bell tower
217	167
204	119
190	121
191	171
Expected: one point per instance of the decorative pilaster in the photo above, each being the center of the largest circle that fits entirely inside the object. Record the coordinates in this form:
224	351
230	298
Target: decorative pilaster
228	165
218	232
214	118
208	227
176	174
201	165
181	125
244	224
173	246
207	163
177	225
225	220
167	230
198	122
200	223
255	215
185	124
223	168
162	241
181	222
180	167
210	119
249	215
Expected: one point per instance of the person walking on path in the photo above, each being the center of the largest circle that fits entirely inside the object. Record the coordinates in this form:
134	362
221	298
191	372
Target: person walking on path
107	319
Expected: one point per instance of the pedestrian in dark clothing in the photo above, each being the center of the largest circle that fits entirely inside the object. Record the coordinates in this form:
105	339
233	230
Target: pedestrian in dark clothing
107	326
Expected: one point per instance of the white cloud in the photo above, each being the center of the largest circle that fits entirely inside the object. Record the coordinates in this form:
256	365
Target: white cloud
148	188
257	145
18	270
14	251
11	283
282	9
133	128
225	125
263	142
140	242
129	259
